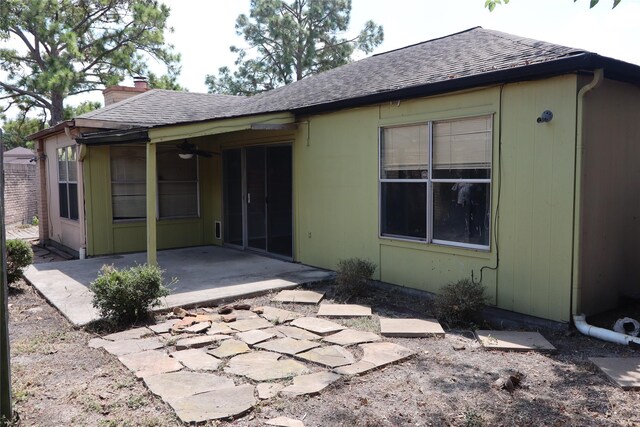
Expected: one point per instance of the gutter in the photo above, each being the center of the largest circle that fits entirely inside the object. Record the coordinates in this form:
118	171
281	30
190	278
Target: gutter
576	285
112	137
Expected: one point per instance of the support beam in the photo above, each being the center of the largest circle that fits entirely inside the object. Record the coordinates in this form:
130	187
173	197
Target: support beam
151	204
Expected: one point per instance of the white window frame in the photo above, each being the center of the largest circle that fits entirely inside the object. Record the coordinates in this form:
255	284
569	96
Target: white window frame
429	181
68	180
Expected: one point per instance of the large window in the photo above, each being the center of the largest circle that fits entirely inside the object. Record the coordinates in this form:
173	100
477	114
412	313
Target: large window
68	182
435	181
177	183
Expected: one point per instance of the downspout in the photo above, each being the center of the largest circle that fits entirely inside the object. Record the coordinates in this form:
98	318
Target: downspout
598	77
604	334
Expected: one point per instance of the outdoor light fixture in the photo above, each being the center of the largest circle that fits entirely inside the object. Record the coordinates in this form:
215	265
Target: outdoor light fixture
185	156
545	117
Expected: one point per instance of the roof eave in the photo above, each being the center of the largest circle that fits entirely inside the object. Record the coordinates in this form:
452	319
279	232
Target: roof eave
128	136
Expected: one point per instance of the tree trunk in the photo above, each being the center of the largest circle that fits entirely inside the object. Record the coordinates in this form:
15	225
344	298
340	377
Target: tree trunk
57	109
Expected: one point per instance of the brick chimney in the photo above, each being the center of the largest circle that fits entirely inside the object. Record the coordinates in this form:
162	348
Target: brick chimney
115	94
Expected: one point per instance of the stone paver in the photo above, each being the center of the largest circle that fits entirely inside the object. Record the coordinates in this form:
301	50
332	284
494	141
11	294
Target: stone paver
278	315
298	296
97	342
196	359
352	336
308	384
208	317
161	328
268	390
198	341
118	348
229	348
624	371
130	334
198	327
513	341
288	345
219	328
332	356
297	333
245	325
375	356
264	366
216	404
177	385
410	328
284	422
255	336
317	326
150	362
344	310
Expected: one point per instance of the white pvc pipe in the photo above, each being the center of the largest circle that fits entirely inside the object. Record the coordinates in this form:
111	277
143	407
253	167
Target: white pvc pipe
601	333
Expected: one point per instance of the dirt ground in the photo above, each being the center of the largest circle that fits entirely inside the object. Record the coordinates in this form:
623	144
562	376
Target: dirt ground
59	381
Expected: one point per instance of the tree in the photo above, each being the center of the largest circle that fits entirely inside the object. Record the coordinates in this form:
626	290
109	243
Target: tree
291	41
68	47
165	81
491	4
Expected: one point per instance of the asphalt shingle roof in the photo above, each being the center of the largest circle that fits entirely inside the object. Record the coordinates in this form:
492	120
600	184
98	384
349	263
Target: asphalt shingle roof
462	55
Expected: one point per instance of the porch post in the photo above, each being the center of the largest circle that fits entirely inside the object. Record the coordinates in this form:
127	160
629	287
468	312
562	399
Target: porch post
151	204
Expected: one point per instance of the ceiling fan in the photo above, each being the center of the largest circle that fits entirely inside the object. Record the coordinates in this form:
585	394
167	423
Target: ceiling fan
187	150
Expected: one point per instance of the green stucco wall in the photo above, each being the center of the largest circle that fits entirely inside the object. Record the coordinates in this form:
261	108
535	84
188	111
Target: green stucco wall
336	197
104	236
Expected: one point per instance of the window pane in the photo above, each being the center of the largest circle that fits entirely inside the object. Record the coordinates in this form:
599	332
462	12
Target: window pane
63	200
461	212
73	201
72	166
62	164
404	209
178	199
128	164
462	148
128	207
173	168
404	152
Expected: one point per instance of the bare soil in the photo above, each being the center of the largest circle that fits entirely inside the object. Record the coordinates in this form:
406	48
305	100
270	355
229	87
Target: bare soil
59	381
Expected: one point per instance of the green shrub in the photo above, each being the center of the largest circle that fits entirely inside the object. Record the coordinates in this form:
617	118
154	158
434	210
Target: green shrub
35	220
458	303
19	256
353	274
125	296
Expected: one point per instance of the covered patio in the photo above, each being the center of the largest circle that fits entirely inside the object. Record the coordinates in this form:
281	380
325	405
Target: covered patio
205	275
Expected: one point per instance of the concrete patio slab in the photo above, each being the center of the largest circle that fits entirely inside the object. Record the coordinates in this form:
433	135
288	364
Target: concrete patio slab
216	404
344	310
309	384
151	362
298	296
624	371
206	275
410	328
513	341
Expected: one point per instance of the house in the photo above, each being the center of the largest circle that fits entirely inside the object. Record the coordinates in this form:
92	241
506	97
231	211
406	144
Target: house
480	154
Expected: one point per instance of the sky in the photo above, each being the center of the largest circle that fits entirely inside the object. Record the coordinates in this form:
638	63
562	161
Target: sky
204	29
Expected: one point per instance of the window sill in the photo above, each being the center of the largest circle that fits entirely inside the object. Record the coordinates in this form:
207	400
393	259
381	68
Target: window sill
134	222
442	248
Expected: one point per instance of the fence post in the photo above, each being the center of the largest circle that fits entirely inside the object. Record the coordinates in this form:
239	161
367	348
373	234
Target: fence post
6	413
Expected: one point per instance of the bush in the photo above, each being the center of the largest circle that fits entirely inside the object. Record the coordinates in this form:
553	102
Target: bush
19	256
353	274
125	296
459	302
